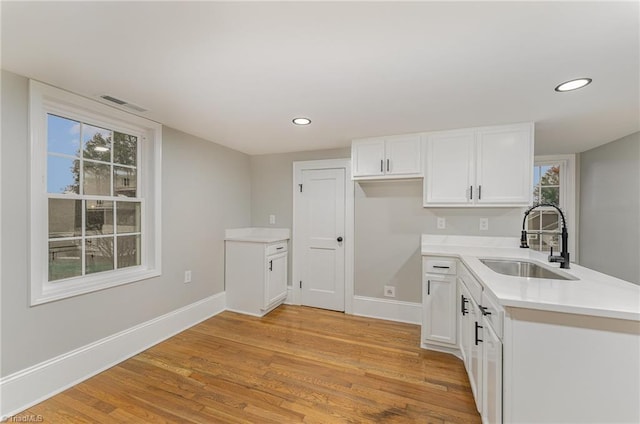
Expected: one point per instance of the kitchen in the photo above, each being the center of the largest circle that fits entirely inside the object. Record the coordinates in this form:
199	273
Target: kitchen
208	188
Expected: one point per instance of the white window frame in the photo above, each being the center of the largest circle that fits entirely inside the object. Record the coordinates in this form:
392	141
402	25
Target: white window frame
44	100
567	193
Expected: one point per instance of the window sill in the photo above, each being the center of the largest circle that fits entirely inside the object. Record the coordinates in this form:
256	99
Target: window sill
74	287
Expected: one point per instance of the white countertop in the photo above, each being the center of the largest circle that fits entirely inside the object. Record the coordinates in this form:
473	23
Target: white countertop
257	234
593	293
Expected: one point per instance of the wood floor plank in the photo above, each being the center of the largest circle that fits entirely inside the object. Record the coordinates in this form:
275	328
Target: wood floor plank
297	364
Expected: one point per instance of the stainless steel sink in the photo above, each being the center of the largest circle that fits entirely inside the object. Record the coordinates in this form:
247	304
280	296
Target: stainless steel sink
520	268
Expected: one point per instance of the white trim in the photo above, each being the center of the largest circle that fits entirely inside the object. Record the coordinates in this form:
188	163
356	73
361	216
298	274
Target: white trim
392	310
32	385
295	293
567	193
45	99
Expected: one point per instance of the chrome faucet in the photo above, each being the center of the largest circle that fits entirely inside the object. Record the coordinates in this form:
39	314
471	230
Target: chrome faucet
563	258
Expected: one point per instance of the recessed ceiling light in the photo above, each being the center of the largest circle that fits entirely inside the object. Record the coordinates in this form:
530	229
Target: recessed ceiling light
301	121
573	84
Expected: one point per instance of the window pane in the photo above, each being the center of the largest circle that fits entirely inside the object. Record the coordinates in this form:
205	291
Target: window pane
96	143
533	222
548	241
99	217
125	149
533	239
62	175
128	251
536	176
550	175
128	217
98	254
536	195
550	195
63	135
64	259
65	218
97	178
550	221
125	181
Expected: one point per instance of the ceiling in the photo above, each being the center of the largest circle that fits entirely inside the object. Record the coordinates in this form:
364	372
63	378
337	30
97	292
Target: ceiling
237	73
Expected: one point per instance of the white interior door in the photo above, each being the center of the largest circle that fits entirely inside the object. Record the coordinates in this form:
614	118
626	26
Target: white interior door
320	233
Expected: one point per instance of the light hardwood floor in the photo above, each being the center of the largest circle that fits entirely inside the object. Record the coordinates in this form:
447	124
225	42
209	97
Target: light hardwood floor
297	364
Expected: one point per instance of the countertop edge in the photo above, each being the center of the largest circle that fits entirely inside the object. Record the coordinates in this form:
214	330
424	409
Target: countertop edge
509	302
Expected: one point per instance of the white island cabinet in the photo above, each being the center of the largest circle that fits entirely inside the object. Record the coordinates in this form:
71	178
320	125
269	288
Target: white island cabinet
256	269
541	350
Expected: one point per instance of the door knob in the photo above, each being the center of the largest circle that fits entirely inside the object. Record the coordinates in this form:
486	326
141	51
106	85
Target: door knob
339	239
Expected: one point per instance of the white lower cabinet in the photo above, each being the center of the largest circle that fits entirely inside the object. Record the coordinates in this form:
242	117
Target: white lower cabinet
276	280
480	345
491	375
439	290
255	276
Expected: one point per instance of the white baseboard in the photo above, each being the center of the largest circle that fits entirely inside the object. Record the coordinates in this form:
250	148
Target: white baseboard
393	310
32	385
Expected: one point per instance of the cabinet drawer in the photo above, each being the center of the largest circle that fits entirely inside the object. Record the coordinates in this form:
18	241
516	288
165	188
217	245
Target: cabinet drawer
493	313
439	266
474	287
274	248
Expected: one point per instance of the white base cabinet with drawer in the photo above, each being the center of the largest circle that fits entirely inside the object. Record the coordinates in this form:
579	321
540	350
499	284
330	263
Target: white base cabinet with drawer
255	276
439	290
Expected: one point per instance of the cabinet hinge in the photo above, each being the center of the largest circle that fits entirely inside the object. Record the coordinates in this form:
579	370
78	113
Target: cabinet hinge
300	185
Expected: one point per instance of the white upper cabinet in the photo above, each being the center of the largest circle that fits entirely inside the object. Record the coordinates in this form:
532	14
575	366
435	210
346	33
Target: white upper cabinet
504	172
387	157
490	166
449	168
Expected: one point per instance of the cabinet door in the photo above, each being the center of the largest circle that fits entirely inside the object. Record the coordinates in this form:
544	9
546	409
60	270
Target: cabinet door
505	165
492	376
276	280
464	324
440	319
367	157
475	362
449	169
403	156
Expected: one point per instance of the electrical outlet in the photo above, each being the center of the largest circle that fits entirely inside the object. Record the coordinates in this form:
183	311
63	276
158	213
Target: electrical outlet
390	291
272	219
187	276
484	224
442	223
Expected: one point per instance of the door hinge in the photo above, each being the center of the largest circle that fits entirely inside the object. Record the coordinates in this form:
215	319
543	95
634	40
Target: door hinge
300	185
300	284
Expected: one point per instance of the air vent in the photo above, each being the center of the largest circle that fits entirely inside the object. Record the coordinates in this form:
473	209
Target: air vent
122	103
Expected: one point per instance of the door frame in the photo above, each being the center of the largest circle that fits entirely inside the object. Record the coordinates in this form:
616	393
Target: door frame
295	293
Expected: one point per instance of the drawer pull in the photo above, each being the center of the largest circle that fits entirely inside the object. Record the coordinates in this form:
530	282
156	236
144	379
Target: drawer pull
280	248
463	303
428	287
441	267
477	339
485	311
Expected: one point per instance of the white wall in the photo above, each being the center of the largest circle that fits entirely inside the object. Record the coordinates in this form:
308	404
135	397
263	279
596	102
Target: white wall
610	208
205	189
389	220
